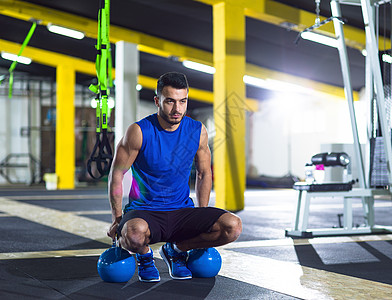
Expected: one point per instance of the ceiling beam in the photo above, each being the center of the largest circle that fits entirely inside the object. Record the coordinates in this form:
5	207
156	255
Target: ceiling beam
278	13
49	58
53	59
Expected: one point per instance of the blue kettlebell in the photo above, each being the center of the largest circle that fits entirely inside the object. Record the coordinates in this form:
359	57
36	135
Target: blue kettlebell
204	263
116	265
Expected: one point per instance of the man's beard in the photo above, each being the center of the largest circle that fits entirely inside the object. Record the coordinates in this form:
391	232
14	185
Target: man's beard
166	117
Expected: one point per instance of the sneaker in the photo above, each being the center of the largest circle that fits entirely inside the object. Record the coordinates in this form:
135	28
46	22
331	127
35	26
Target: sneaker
175	261
146	267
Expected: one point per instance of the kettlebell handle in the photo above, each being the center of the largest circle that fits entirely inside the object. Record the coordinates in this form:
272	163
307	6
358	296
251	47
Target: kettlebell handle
115	241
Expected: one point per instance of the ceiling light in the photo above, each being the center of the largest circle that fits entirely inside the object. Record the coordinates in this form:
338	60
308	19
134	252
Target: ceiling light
285	86
276	85
14	57
198	67
257	82
320	38
65	31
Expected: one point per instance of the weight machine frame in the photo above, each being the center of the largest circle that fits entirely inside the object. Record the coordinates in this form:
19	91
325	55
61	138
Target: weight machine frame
374	86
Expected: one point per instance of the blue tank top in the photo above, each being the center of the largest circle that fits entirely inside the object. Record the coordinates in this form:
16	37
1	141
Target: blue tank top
163	165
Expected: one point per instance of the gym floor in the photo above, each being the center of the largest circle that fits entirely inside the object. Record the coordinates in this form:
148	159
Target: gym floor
51	240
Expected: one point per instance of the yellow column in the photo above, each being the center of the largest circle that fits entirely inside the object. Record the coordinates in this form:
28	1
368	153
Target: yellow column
65	128
229	104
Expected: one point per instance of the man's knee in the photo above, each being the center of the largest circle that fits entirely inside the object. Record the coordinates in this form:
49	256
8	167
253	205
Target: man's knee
231	224
235	226
134	235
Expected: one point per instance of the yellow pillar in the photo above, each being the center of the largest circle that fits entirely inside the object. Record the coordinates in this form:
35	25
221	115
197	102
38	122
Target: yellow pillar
229	104
65	127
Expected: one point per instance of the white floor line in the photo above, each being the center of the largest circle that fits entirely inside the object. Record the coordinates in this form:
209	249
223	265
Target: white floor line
313	241
92	212
65	221
49	254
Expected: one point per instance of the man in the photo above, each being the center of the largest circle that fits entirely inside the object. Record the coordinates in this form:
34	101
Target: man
160	149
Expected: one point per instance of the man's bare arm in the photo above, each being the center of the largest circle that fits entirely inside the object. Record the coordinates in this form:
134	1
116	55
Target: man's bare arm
203	170
126	153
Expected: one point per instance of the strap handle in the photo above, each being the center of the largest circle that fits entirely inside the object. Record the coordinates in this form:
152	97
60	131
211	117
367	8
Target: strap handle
101	155
14	63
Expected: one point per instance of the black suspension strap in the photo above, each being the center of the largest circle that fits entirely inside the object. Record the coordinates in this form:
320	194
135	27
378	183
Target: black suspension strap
102	154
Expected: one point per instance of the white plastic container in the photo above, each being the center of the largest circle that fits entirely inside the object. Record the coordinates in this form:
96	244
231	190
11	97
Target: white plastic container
50	181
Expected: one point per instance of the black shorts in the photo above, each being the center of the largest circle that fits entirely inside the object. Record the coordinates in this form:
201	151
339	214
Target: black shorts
175	225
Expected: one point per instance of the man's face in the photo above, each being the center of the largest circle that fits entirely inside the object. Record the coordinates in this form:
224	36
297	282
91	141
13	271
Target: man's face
172	104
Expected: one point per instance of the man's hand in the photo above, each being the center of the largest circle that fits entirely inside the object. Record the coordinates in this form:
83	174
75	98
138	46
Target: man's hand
113	229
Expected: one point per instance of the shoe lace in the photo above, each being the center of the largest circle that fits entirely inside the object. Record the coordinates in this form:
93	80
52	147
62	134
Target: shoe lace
145	262
180	258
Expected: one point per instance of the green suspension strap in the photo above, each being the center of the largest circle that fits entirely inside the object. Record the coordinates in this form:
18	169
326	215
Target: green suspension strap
14	63
102	152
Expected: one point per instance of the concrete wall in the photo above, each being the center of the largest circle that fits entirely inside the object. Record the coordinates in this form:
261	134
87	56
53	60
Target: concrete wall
14	120
289	130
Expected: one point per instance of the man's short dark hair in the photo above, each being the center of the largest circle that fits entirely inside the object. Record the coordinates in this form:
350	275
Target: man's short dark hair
173	79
